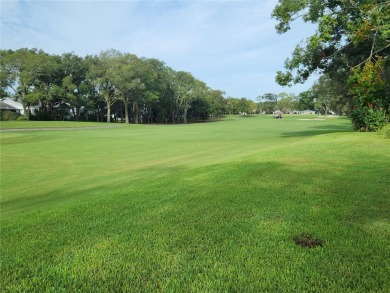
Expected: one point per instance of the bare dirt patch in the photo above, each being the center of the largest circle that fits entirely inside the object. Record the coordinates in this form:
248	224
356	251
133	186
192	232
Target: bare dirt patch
308	240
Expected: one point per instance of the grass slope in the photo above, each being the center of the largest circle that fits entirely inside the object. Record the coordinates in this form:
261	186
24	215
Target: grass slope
196	208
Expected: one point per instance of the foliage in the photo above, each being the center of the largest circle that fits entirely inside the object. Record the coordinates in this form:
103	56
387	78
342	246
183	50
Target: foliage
187	89
305	101
22	118
368	86
111	86
287	102
386	131
366	118
326	93
239	106
269	102
8	115
352	37
216	102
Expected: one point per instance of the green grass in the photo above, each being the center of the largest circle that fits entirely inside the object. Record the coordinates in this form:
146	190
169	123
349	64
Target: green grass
210	207
49	124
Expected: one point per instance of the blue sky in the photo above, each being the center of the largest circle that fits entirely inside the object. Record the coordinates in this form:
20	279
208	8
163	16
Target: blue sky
230	45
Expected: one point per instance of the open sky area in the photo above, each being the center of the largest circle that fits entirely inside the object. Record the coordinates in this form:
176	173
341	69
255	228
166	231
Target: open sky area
230	45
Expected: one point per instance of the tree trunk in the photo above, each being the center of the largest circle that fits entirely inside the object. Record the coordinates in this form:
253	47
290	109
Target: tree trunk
73	112
126	104
173	117
121	115
326	108
26	108
77	113
108	113
185	114
135	112
26	111
150	115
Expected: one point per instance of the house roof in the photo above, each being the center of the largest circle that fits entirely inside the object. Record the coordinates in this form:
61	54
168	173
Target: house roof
5	106
13	103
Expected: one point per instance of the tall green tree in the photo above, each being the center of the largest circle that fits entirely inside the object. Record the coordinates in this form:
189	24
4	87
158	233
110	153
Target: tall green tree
125	74
75	85
326	94
20	72
100	74
186	89
157	87
7	74
106	85
287	102
232	105
216	102
269	102
47	91
245	106
352	42
305	101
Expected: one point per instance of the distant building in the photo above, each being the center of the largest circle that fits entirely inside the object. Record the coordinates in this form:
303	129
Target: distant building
12	106
6	107
308	112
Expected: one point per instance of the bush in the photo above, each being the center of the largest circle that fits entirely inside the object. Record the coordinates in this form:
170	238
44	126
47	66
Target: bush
368	119
22	118
41	116
386	131
8	115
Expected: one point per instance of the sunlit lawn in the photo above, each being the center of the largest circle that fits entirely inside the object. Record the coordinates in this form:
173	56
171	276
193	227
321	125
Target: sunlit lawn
208	207
48	124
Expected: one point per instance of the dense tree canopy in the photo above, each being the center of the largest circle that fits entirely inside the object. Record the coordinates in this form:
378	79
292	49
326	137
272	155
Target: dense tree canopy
109	86
351	46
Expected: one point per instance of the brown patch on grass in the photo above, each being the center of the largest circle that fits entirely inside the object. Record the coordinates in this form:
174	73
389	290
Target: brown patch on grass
307	240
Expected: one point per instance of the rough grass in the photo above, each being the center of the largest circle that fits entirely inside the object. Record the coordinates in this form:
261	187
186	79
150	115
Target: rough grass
196	208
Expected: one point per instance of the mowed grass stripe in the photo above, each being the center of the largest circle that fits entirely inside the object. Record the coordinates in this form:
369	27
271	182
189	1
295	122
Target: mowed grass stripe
223	223
71	157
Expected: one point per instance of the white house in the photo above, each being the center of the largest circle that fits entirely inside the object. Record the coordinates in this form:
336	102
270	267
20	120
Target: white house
6	107
15	105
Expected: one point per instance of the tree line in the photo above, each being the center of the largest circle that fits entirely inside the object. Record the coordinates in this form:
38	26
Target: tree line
115	86
111	86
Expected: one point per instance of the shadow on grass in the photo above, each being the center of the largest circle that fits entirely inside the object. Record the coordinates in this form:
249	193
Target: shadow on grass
82	190
248	116
244	184
318	130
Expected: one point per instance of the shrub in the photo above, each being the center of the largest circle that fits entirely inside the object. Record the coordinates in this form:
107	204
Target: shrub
8	115
41	116
22	118
386	131
368	118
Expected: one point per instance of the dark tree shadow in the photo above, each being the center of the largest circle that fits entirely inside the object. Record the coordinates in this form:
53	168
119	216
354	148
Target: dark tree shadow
318	130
